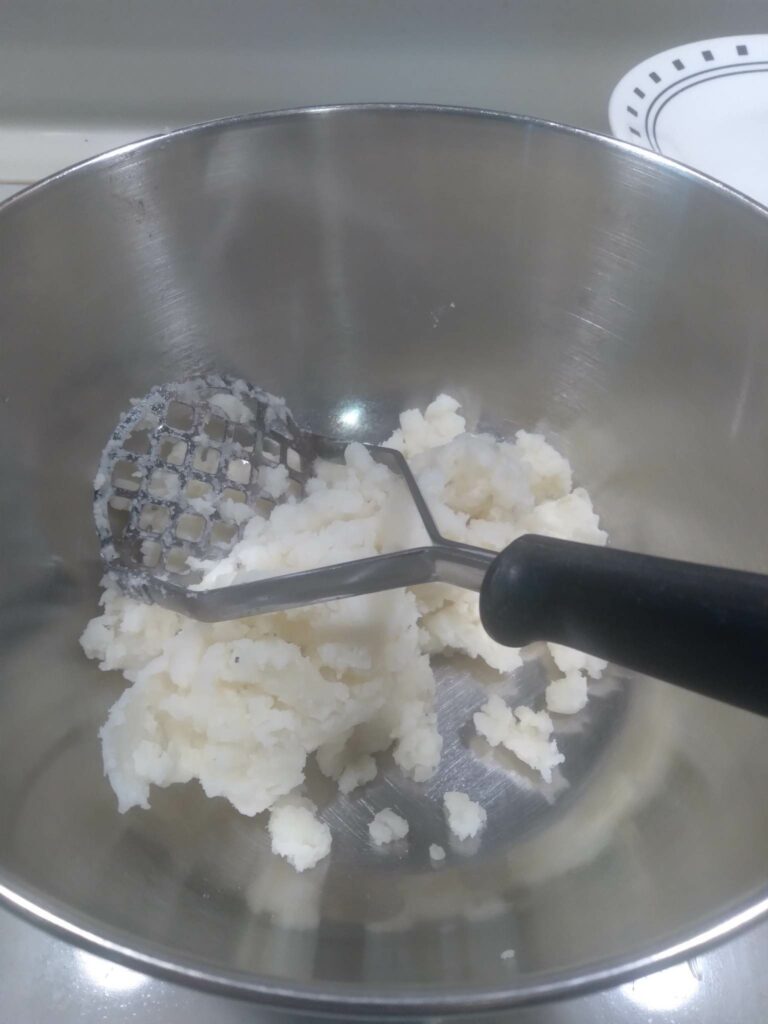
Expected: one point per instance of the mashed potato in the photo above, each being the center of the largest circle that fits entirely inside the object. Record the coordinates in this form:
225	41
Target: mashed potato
526	733
387	827
298	834
241	706
465	817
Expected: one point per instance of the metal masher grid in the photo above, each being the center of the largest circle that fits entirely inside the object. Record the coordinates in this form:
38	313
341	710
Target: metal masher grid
173	464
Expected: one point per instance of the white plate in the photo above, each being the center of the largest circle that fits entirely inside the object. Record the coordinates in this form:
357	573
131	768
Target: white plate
705	104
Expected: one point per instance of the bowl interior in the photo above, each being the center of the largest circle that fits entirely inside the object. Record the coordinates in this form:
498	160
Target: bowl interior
374	258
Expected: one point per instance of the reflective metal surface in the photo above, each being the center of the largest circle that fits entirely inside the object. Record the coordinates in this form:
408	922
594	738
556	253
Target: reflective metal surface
44	976
359	261
146	554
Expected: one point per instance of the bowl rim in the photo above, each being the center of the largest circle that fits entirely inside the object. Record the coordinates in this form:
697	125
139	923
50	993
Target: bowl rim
353	998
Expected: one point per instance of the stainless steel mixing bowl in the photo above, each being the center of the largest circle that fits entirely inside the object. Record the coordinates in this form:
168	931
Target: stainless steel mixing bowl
359	261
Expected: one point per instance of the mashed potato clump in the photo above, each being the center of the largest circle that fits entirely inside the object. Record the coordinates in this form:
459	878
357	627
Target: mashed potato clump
464	816
241	706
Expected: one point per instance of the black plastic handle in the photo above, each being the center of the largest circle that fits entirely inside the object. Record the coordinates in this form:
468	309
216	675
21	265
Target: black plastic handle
698	626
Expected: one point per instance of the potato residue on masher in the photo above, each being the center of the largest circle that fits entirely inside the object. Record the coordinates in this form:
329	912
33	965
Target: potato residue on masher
241	705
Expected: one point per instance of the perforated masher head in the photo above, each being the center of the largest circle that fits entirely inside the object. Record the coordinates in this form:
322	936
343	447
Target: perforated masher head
184	463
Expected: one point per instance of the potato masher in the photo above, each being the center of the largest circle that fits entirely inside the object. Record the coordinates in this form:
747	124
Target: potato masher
183	458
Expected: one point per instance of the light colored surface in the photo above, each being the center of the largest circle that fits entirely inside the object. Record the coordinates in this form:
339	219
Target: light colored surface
77	77
704	104
32	151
